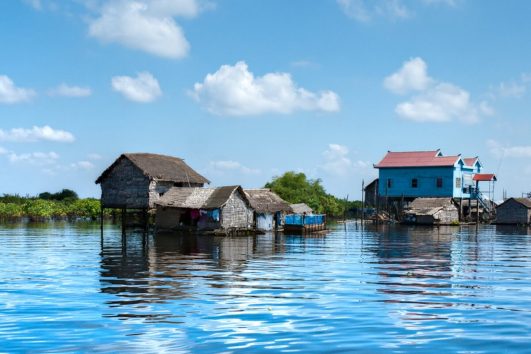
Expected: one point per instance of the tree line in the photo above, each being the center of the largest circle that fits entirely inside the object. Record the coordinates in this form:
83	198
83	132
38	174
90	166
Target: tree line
295	187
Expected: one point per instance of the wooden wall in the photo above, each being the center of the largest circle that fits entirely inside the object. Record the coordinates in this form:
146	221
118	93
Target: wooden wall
512	212
125	186
236	213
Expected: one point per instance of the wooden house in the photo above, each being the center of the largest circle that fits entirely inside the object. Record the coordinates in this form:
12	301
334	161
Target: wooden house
431	211
219	210
269	208
137	181
514	211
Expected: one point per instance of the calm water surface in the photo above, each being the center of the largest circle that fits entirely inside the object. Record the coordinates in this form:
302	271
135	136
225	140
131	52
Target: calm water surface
386	289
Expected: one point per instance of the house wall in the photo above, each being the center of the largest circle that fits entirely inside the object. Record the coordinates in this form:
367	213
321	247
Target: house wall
447	215
168	218
236	213
512	212
264	221
427	182
125	186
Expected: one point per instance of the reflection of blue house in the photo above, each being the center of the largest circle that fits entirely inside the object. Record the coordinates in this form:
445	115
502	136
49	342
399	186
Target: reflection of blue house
429	174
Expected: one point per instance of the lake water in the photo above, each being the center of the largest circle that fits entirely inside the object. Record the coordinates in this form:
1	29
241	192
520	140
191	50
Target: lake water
371	290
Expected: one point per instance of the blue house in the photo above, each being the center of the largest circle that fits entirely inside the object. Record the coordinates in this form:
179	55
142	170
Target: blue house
415	174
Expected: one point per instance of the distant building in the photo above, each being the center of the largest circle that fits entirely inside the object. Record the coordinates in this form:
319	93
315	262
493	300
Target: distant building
268	208
301	208
432	211
416	174
514	211
223	209
137	181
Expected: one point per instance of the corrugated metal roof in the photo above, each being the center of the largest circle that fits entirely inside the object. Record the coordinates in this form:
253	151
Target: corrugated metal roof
160	167
416	159
484	177
470	161
265	201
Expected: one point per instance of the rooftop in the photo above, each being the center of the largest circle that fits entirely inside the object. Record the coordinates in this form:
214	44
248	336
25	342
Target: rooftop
417	159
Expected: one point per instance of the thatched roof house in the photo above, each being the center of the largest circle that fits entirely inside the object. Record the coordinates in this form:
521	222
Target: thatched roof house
268	208
204	209
432	211
301	208
264	200
514	211
137	181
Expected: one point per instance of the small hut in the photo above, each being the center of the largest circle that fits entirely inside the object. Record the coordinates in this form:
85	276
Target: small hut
514	211
268	208
301	208
431	211
219	210
137	181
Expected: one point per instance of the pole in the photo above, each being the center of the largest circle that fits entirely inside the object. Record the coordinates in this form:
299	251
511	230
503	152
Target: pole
362	200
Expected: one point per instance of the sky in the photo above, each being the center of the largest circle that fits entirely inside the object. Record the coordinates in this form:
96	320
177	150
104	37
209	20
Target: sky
247	90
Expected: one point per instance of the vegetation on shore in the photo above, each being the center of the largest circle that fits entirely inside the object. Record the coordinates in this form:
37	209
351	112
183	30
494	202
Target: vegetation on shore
46	206
297	188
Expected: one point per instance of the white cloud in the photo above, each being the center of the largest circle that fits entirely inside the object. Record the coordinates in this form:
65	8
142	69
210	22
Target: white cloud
499	150
34	158
515	88
144	88
36	4
94	156
70	91
9	93
413	76
146	25
3	151
45	133
366	11
234	166
434	101
82	165
337	161
235	91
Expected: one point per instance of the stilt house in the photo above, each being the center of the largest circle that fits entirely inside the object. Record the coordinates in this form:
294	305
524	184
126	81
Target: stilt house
137	181
269	208
223	209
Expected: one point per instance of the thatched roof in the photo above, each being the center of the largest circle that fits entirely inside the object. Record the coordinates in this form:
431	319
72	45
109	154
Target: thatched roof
265	201
199	198
429	206
301	208
160	167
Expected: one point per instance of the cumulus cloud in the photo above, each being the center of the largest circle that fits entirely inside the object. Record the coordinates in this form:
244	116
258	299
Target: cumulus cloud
36	4
34	158
499	150
234	166
94	156
9	93
413	76
146	25
45	133
366	11
235	91
515	88
144	88
70	91
337	161
433	100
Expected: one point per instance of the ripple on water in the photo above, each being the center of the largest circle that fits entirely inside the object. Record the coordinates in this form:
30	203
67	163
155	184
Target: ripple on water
370	289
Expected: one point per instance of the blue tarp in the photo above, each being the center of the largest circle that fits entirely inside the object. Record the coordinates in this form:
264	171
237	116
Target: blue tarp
296	219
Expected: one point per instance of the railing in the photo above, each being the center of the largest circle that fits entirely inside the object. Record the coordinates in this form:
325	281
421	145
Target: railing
485	203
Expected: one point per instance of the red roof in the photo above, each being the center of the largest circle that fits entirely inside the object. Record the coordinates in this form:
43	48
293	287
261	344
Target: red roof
484	177
416	159
470	161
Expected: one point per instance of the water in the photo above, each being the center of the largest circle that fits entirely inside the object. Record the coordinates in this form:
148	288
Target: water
386	289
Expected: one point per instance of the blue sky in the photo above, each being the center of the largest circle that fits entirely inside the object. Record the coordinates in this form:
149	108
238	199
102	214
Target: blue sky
246	90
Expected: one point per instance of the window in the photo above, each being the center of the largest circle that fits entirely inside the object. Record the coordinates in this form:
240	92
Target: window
414	183
458	182
389	183
439	182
